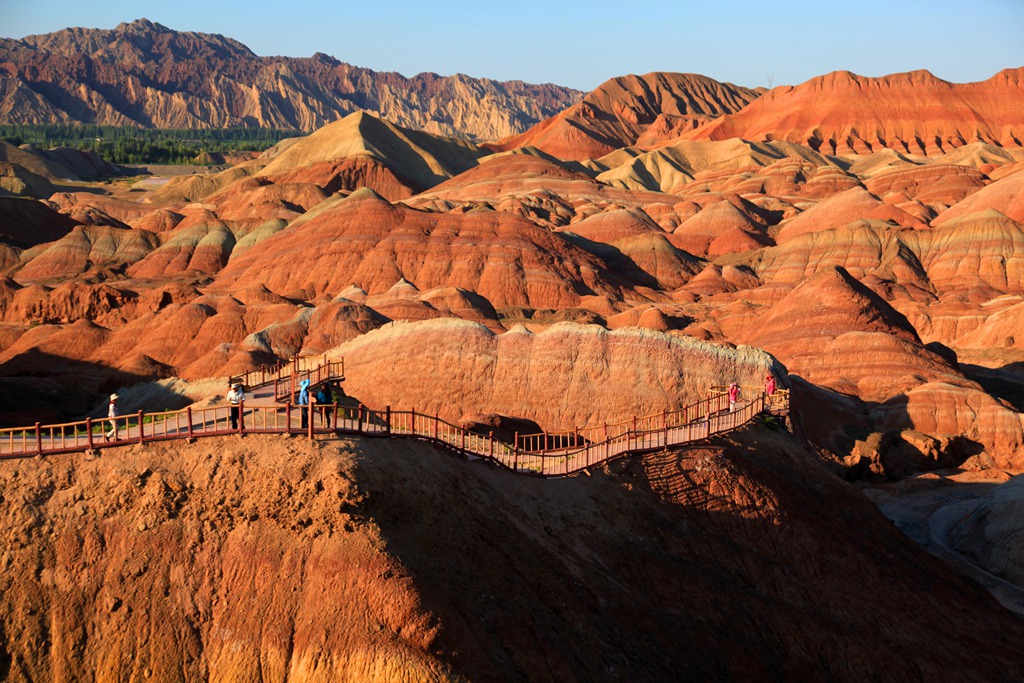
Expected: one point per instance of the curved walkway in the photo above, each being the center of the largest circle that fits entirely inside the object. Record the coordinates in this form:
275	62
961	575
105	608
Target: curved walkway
269	410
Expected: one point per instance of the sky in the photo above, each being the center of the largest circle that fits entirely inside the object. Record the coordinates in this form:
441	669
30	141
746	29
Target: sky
582	44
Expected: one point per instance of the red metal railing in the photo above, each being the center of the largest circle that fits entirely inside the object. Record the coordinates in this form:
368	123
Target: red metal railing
548	454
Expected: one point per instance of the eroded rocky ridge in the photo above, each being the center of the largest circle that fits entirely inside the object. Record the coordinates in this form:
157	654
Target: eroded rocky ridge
347	560
145	74
564	376
633	110
911	113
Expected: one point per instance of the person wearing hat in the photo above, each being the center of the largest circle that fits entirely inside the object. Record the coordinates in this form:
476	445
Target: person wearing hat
112	416
734	394
304	401
769	384
235	397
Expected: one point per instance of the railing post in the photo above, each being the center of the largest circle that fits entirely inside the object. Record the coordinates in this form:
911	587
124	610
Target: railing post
359	423
88	432
490	435
414	420
241	416
140	426
39	438
634	432
387	419
288	417
463	439
309	418
334	412
515	455
664	424
188	415
437	422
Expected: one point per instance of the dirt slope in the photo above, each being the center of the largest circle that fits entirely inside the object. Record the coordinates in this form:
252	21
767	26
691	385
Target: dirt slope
267	559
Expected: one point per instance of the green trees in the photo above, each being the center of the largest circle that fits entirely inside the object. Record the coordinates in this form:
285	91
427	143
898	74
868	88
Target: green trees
124	145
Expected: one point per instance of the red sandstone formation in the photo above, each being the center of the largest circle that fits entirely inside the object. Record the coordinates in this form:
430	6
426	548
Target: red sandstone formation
568	375
917	113
368	242
832	316
1005	195
297	252
27	223
349	174
620	111
420	159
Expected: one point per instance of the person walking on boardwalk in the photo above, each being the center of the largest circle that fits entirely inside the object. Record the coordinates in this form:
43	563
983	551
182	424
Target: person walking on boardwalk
769	384
323	400
304	402
235	398
112	417
734	395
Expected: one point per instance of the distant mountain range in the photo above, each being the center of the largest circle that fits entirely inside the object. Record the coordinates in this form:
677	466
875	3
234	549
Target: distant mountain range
145	74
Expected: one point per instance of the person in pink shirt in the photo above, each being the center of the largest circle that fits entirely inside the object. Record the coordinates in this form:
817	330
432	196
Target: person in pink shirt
734	394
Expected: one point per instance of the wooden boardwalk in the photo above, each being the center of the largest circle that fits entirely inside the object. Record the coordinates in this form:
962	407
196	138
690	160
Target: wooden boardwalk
269	409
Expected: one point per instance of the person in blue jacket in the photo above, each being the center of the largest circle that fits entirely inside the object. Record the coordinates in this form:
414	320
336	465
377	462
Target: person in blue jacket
304	402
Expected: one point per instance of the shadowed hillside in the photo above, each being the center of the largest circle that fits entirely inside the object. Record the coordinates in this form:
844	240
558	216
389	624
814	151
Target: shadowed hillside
355	560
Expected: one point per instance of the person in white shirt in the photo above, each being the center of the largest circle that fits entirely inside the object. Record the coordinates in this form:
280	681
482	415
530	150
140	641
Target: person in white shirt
235	398
112	415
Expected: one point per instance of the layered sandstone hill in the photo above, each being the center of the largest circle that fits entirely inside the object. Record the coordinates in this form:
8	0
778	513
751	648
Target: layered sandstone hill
917	113
569	375
145	74
60	163
633	110
353	560
417	159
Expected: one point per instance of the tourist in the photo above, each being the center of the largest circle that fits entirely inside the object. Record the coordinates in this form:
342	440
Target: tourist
112	417
323	400
304	402
734	394
769	384
235	398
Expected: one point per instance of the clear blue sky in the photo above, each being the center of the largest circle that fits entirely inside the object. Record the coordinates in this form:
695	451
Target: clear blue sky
581	44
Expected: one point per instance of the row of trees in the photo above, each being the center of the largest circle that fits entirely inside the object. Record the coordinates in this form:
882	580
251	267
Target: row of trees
125	145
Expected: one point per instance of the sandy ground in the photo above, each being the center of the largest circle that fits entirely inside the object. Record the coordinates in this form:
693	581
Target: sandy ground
928	506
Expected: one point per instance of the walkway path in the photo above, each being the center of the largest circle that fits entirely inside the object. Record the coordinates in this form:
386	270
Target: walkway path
269	409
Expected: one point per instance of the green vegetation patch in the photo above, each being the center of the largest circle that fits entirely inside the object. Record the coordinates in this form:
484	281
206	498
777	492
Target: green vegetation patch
127	145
